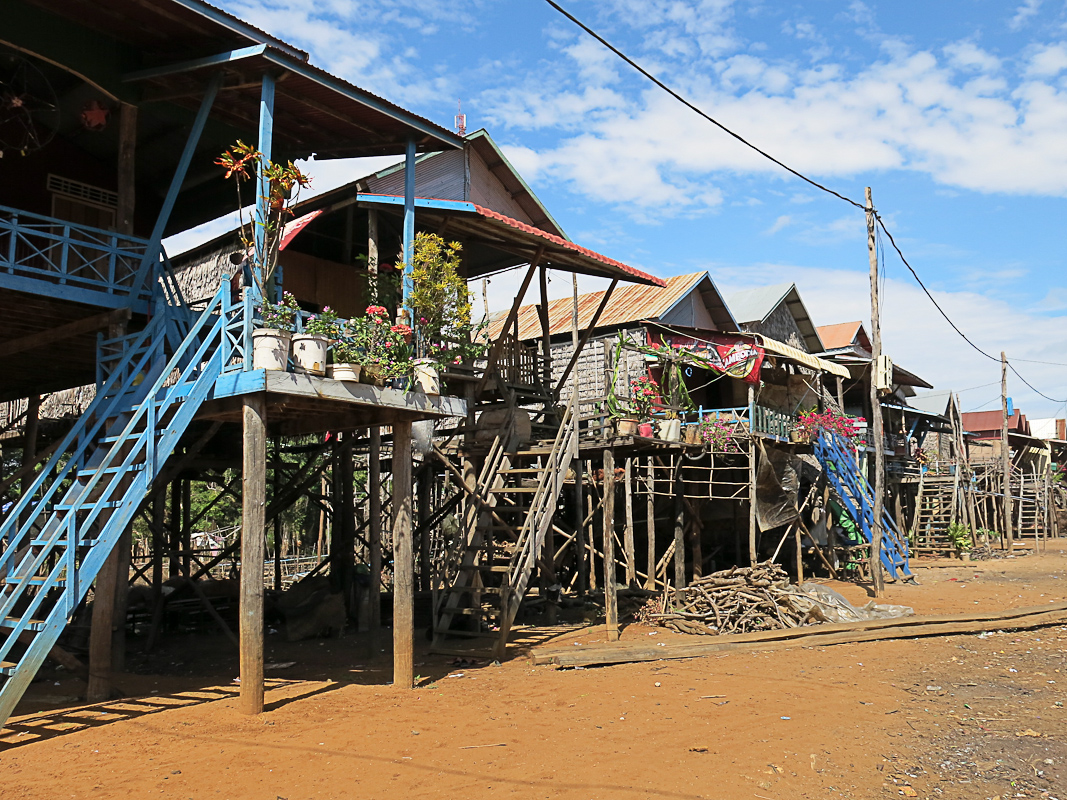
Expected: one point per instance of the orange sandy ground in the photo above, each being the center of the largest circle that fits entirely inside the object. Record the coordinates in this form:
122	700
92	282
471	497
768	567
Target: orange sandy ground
953	717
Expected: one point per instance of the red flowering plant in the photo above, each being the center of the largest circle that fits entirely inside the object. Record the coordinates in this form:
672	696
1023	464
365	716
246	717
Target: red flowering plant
375	342
809	424
644	397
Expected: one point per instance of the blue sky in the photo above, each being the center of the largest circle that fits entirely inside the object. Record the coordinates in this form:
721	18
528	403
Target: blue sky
955	112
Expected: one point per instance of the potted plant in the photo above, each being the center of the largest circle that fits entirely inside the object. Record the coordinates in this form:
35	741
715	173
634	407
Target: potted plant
270	344
441	308
718	435
310	348
382	348
346	361
644	399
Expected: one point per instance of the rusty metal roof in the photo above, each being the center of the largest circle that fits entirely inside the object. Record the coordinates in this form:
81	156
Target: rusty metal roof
839	335
627	304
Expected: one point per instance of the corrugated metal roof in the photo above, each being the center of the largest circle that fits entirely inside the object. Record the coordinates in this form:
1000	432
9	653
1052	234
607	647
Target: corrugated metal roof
627	304
990	421
841	334
931	402
755	305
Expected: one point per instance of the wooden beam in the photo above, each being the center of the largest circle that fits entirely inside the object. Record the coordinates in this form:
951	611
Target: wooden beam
513	316
125	172
611	597
71	329
254	502
374	477
403	566
585	335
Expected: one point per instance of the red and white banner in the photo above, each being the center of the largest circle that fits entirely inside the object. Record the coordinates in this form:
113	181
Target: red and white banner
737	356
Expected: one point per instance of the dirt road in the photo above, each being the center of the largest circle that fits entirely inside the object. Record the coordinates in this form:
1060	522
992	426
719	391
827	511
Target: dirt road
956	717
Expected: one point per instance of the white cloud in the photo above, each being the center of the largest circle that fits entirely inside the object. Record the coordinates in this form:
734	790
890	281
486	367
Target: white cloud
782	222
1023	13
1048	61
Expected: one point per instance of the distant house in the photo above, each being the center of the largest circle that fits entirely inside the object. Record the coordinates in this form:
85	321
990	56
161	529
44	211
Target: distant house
778	313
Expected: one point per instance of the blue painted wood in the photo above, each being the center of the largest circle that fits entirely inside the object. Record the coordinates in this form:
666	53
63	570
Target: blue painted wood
266	142
232	384
99	502
420	202
155	241
409	221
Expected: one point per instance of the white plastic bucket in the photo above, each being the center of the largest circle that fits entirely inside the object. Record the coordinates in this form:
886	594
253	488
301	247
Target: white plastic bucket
270	349
309	353
345	372
426	377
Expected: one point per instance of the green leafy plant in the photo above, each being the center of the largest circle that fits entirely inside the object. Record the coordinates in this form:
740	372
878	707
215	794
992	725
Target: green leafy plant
440	301
323	324
281	316
960	536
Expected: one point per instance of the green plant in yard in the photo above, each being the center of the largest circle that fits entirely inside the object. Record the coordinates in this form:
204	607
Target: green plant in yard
960	536
440	301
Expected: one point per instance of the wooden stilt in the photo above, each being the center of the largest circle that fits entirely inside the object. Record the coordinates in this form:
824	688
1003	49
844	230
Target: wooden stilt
344	557
276	486
123	553
100	634
374	478
628	531
611	599
579	526
590	516
254	503
403	566
679	528
752	555
650	524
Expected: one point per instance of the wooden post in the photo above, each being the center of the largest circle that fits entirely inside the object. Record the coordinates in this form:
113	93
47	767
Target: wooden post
276	486
122	555
628	531
752	555
100	635
344	556
650	523
592	524
579	481
546	339
29	440
611	599
679	528
841	393
125	171
1005	453
254	503
876	406
175	527
425	486
374	479
800	557
403	566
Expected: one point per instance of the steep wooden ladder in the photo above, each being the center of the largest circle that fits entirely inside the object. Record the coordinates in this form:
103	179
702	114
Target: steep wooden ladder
935	510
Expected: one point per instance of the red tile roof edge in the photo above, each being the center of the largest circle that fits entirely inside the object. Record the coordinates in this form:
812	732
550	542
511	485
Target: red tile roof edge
488	213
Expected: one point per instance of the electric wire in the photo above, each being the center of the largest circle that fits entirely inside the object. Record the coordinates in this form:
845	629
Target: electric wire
799	175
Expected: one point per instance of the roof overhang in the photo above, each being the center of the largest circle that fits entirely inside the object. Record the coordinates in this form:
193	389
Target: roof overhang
800	357
495	242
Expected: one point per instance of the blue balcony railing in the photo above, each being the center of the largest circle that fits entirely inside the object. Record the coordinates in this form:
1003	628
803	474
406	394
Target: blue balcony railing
52	257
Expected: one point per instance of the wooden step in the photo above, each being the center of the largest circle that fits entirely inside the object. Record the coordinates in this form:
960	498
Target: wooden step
12	580
7	668
32	625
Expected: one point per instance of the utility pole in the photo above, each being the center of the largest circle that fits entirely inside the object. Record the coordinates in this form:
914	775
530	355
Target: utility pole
876	407
1005	452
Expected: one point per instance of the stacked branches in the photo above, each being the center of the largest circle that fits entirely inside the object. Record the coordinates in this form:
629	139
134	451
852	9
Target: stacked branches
736	600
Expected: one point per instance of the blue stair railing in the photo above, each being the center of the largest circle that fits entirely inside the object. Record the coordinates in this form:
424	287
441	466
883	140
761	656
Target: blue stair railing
65	526
841	467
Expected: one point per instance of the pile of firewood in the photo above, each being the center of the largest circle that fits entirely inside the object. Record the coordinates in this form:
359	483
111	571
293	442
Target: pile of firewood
736	600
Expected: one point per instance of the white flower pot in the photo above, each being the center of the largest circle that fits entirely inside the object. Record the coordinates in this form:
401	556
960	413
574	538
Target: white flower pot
309	353
270	349
344	372
670	430
426	377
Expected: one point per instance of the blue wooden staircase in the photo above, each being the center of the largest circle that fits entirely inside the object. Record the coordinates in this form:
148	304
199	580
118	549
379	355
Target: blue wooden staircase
841	467
150	385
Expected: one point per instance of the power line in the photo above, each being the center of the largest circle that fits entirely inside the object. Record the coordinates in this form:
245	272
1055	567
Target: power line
801	176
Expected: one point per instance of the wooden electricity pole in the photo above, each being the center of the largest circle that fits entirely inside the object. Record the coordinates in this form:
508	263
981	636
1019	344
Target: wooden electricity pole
876	406
1005	451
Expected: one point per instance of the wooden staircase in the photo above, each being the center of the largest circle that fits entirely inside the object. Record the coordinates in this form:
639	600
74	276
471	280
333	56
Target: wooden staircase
517	497
935	510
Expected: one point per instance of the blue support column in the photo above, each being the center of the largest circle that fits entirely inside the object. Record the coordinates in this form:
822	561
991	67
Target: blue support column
155	241
266	139
409	221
